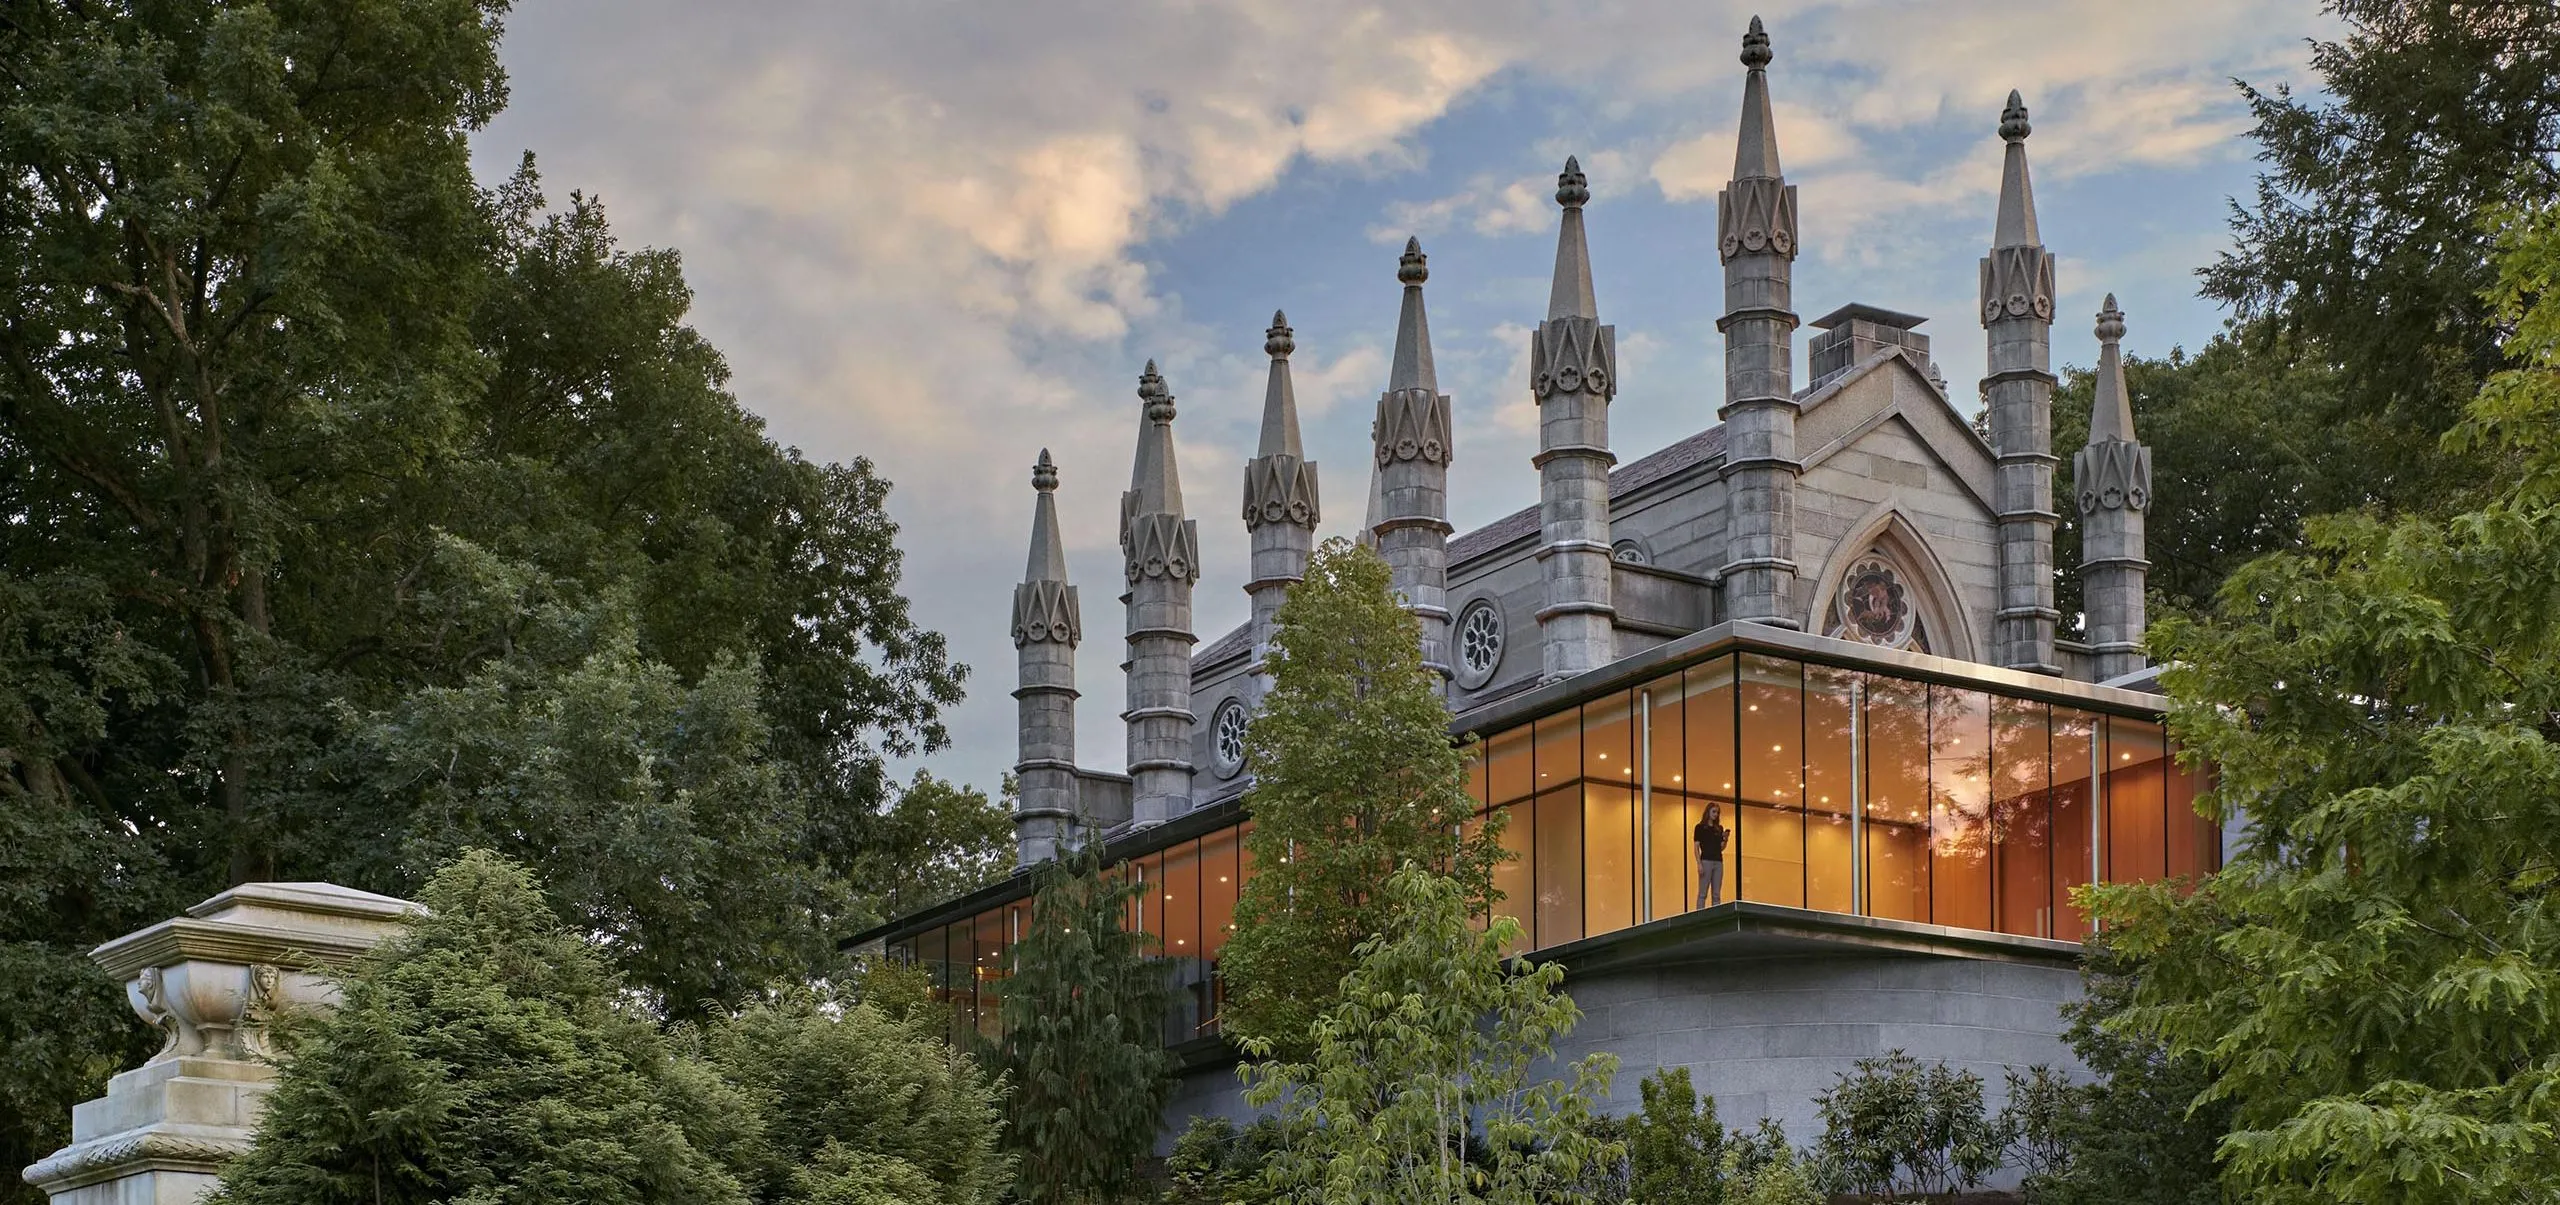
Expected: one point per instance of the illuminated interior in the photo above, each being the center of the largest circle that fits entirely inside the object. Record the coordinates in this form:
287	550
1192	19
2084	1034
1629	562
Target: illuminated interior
1849	791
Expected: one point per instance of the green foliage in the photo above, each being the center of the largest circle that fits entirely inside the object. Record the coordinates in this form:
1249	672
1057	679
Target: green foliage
1432	1035
848	1097
2034	1124
2367	239
1214	1162
939	840
1676	1143
1896	1126
324	468
2248	437
1083	1045
2372	980
487	1054
478	1055
1354	777
2138	1134
1763	1168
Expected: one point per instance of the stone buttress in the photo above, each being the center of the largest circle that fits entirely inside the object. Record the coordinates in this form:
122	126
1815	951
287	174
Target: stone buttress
2017	317
1573	363
1048	624
1280	511
1160	551
1756	239
1412	441
2113	476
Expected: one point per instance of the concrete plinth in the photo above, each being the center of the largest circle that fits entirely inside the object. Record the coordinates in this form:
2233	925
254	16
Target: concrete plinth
210	981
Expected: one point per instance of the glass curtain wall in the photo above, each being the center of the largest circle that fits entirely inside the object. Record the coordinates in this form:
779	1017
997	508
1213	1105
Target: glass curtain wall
1836	789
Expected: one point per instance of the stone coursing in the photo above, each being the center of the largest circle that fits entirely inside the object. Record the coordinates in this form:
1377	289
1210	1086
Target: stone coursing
1160	558
1756	214
1280	505
1413	444
2113	474
1048	624
2017	318
1573	372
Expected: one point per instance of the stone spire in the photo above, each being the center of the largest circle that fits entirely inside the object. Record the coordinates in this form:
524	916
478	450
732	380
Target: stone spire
1280	512
2017	317
1573	371
1048	624
1756	238
2113	474
1413	451
1160	554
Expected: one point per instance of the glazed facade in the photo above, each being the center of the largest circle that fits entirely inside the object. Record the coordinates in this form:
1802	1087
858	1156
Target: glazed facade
1854	789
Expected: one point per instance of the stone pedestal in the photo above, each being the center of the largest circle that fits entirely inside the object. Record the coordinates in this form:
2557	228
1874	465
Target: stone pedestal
209	981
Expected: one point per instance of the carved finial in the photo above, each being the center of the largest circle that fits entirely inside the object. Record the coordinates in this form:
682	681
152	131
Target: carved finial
1044	473
1158	399
1279	341
1414	267
1755	46
2110	322
1571	188
2013	119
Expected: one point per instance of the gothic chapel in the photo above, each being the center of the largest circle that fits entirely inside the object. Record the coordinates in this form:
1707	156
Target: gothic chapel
1826	620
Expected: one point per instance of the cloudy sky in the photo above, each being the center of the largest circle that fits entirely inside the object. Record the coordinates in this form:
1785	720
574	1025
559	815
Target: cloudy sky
946	235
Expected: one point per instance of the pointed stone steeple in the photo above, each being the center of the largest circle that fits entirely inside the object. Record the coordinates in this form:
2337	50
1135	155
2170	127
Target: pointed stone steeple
1280	511
1160	556
1412	444
2113	474
1573	371
1755	146
2017	317
1048	623
1572	295
1756	238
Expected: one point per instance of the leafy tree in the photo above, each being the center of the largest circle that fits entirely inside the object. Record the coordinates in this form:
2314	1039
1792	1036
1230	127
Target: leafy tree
2366	240
2371	980
1432	1035
1216	1162
939	840
1083	1042
315	454
1762	1168
2248	438
1893	1125
1676	1143
2141	1132
848	1097
479	1055
1354	777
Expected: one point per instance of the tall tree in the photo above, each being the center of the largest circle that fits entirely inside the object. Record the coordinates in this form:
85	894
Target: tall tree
2248	438
1084	1048
2367	236
939	840
2374	978
1434	1036
479	1055
1354	776
844	1096
328	475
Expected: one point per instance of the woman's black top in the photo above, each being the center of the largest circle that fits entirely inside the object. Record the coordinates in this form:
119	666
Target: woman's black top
1711	837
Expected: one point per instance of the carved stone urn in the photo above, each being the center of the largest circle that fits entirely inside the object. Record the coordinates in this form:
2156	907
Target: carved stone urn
209	982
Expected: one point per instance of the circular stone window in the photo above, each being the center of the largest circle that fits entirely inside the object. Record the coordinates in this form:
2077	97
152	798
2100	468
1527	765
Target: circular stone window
1479	643
1226	738
1630	552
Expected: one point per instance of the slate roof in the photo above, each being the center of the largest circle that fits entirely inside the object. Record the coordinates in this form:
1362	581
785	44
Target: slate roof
1702	448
